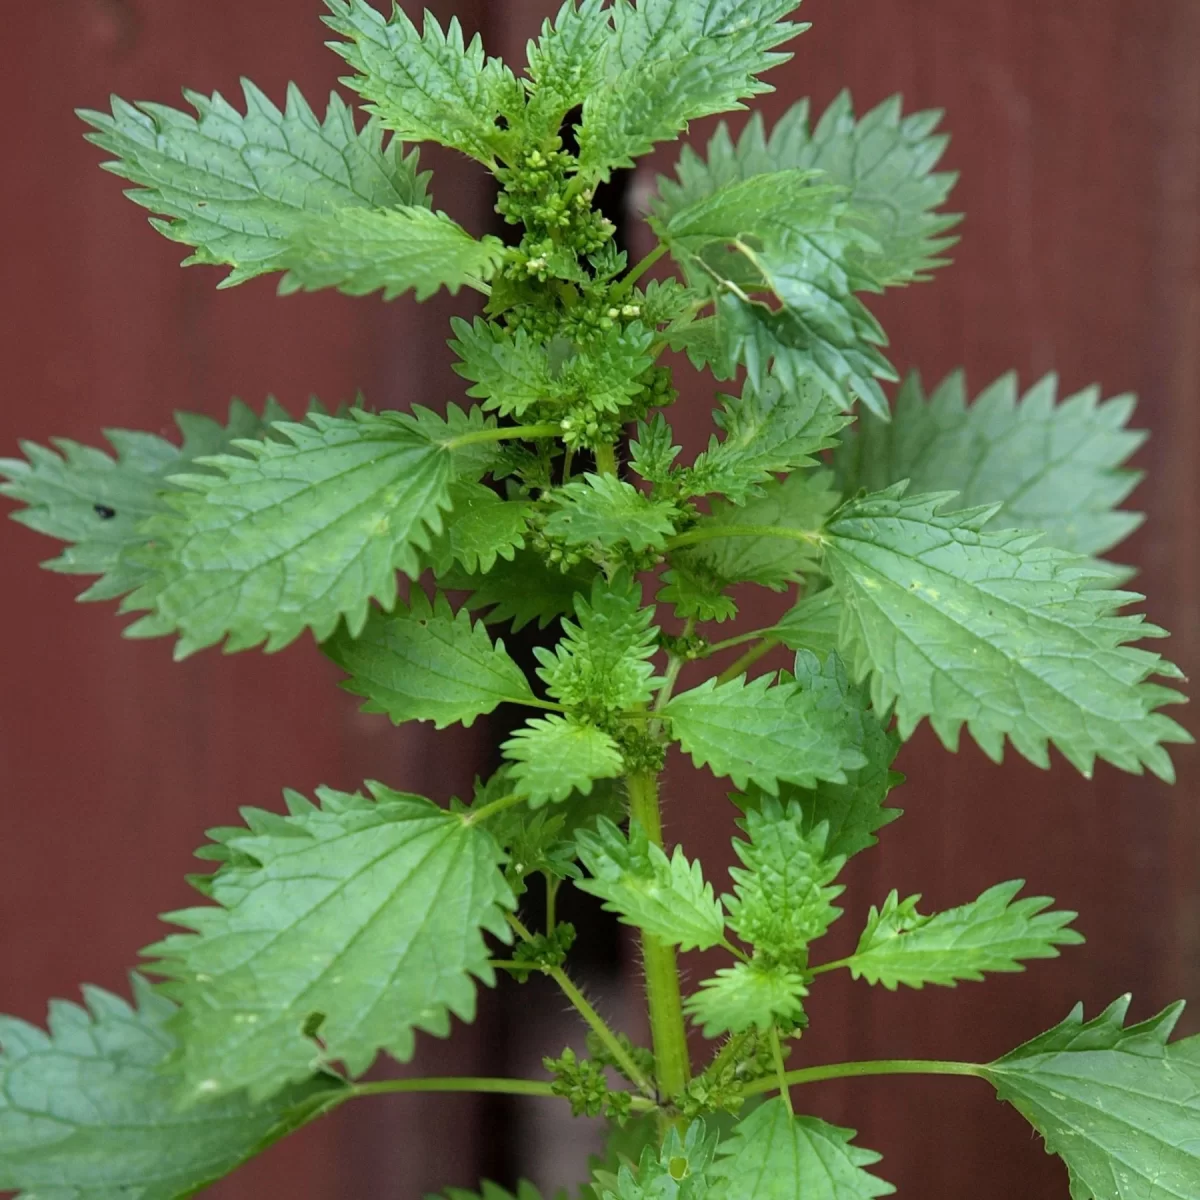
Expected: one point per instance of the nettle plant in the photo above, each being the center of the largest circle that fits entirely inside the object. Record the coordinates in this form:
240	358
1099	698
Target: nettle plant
941	558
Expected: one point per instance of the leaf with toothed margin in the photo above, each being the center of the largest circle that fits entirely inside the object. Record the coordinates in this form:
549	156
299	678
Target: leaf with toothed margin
748	995
479	528
335	933
237	188
298	535
87	1111
1120	1105
963	625
554	756
425	663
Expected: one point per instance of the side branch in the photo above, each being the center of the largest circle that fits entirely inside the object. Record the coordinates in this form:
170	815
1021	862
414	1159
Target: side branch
849	1070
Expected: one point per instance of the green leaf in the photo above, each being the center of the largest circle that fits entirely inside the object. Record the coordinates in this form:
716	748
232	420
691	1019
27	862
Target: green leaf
602	663
96	502
298	534
524	590
389	250
478	529
88	1113
769	431
852	812
430	86
784	890
604	511
1120	1106
959	624
1058	467
671	62
994	933
425	663
763	732
567	63
776	1156
652	452
491	1191
802	501
554	756
812	624
747	996
677	1171
360	921
885	162
239	188
666	897
696	590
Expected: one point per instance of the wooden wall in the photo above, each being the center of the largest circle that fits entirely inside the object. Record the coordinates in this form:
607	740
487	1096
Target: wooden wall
1077	129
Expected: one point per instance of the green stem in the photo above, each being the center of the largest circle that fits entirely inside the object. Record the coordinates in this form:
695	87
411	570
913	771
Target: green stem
503	433
592	1017
733	642
490	810
464	1083
780	1073
747	660
637	271
708	533
853	1070
551	897
662	973
606	459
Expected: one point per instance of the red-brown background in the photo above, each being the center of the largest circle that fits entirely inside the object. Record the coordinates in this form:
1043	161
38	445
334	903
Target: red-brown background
1077	129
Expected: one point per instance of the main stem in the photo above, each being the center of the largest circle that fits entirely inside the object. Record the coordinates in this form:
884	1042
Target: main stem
673	1068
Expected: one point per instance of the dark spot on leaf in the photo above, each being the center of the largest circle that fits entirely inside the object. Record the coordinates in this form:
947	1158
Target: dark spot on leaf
501	122
104	512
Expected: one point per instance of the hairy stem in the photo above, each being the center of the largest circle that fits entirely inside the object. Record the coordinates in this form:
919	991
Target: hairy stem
709	533
490	810
503	433
780	1073
848	1070
464	1083
606	459
637	271
662	972
746	661
592	1017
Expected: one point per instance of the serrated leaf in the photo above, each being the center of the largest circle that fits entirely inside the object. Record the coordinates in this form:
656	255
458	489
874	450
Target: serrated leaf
994	933
763	731
748	995
479	528
671	62
97	502
769	431
362	919
425	663
605	511
784	890
959	624
430	86
852	812
885	162
552	757
776	1156
298	534
665	897
696	590
525	590
754	552
602	663
812	624
389	250
1119	1105
677	1171
567	63
652	452
1054	466
88	1113
238	188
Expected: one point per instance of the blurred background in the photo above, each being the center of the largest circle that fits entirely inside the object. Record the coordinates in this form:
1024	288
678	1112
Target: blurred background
1077	129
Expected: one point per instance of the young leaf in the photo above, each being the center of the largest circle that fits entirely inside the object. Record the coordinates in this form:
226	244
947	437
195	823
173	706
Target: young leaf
674	61
358	922
773	1155
963	625
1058	467
747	996
784	890
652	453
1119	1105
425	663
769	431
392	251
478	529
566	64
605	511
298	534
602	663
885	162
994	933
852	812
87	1112
524	590
762	732
553	756
97	502
666	897
238	188
679	1171
430	86
812	624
